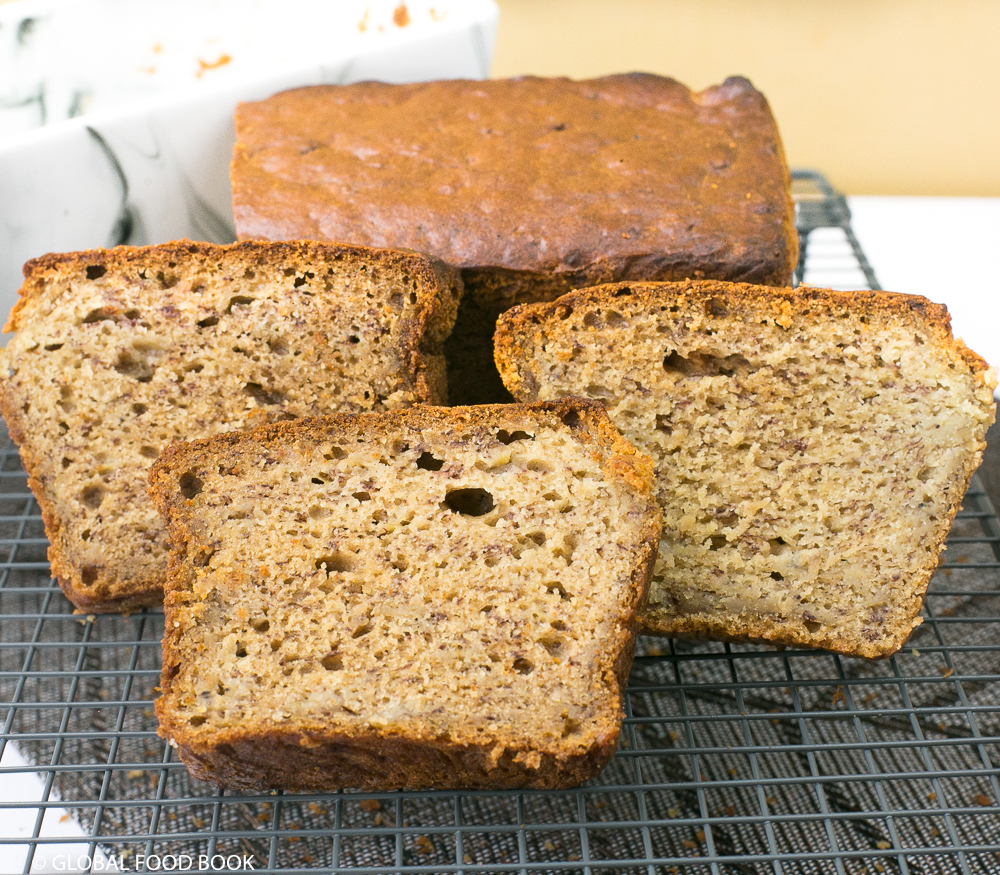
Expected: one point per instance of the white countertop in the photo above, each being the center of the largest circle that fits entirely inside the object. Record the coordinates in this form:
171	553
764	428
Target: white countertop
946	249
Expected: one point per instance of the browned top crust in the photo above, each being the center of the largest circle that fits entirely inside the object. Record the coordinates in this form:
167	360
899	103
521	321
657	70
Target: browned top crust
735	300
630	176
39	272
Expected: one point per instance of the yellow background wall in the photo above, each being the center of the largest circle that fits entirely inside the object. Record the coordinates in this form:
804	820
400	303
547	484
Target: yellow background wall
883	96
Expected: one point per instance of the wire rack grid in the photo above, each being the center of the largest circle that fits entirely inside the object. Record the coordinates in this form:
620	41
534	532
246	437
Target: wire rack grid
735	759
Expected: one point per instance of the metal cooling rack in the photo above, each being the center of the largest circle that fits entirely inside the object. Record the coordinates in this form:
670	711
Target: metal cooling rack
735	759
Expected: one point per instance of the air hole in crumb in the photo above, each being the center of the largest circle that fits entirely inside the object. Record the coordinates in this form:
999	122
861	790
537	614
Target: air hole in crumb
96	271
132	314
570	727
261	395
278	346
148	452
570	543
361	496
571	419
507	437
318	512
699	364
139	409
241	651
137	367
208	322
319	481
400	564
335	453
167	280
926	474
261	625
339	562
596	390
775	575
92	496
777	546
353	338
85	535
333	662
66	462
812	626
52	347
491	561
362	630
190	484
556	586
202	558
523	666
717	542
470	502
540	465
663	423
89	574
197	721
99	315
552	643
429	462
238	301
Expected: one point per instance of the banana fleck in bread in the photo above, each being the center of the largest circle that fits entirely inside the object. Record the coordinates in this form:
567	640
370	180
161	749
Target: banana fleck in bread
437	597
119	352
811	446
532	187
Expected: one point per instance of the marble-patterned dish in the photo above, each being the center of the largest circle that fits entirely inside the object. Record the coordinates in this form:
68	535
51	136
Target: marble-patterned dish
157	168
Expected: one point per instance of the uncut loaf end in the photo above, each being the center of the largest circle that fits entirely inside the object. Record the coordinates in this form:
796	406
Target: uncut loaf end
438	597
119	352
812	447
530	186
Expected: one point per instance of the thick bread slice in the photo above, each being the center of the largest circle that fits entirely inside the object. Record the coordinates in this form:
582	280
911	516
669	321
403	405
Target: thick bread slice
439	597
812	446
120	352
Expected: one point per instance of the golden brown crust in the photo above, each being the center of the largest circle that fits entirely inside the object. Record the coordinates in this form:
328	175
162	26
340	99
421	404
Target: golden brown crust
312	754
485	166
49	284
784	304
533	343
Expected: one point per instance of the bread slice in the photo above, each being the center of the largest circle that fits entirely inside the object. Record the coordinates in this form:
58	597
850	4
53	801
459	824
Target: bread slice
439	597
811	446
120	352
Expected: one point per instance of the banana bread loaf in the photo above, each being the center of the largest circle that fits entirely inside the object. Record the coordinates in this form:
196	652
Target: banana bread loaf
532	187
811	446
437	597
120	352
